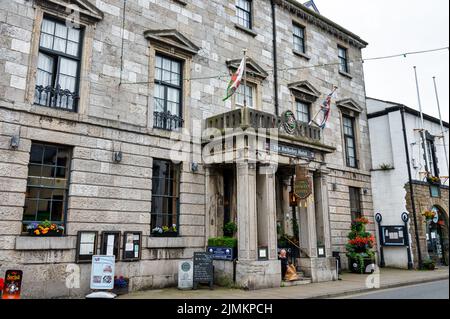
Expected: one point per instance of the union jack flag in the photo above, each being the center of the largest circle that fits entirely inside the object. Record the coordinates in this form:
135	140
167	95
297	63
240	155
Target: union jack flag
325	110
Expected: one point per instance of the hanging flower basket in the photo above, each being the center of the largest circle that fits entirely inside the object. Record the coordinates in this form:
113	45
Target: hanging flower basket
434	180
429	215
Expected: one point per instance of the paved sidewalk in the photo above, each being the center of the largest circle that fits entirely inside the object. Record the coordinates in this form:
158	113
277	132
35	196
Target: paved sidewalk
350	284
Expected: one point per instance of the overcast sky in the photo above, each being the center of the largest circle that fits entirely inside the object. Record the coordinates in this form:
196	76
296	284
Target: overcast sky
398	26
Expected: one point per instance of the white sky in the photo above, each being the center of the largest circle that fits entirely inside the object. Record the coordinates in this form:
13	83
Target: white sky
398	26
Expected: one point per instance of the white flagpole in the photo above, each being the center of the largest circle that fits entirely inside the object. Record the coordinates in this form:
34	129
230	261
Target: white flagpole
427	163
245	78
442	123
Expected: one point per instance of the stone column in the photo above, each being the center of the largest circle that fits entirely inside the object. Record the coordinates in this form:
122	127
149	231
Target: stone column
311	224
246	211
324	210
266	206
286	208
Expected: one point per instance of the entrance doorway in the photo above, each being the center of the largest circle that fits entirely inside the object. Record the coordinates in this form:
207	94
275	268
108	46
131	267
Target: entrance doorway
438	238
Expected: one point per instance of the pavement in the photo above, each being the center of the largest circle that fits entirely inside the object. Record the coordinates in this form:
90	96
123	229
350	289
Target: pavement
349	285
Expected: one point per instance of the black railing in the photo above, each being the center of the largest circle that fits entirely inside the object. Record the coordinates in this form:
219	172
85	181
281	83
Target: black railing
167	121
56	97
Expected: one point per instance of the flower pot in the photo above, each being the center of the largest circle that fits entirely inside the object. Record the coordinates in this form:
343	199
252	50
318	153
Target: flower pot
122	290
368	266
49	234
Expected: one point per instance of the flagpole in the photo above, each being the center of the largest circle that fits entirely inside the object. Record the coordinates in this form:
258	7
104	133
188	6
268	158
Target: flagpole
427	163
442	123
245	78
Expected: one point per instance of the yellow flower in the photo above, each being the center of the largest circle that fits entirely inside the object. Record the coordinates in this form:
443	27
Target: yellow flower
37	232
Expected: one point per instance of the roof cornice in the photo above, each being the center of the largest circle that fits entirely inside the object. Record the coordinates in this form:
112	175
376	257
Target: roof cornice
322	22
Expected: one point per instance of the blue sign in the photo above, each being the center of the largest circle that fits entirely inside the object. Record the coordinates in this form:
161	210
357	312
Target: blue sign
294	151
222	253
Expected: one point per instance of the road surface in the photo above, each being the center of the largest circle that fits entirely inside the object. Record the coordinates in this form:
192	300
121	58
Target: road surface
432	290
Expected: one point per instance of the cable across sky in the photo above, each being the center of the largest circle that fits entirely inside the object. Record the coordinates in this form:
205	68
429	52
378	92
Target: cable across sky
226	75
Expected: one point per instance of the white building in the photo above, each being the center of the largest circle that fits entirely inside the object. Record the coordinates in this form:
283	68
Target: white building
390	179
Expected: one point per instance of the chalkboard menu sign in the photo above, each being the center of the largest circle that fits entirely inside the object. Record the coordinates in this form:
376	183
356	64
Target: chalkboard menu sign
203	269
394	236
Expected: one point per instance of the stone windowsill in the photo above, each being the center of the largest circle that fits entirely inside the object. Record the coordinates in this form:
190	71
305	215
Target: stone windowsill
246	30
45	243
347	75
301	54
166	242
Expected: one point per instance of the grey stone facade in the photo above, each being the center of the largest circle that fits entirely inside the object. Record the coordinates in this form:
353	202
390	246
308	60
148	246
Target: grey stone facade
115	112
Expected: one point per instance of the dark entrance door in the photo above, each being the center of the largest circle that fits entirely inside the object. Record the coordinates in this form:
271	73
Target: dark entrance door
438	238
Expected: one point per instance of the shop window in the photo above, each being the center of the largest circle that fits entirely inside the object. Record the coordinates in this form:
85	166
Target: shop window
58	65
165	199
47	185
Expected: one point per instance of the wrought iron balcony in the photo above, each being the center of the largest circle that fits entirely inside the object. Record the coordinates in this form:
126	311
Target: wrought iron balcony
56	97
167	121
246	117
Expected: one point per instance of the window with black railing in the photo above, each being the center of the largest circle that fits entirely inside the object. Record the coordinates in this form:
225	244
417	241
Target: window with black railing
58	67
168	94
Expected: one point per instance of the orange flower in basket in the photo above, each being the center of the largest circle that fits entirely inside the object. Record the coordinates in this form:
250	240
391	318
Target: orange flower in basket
37	232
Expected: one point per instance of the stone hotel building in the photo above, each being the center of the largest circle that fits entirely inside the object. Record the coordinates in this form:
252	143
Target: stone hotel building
96	94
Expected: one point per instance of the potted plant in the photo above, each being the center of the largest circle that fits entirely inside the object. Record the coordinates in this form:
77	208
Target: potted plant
428	264
45	229
121	285
165	231
229	229
359	248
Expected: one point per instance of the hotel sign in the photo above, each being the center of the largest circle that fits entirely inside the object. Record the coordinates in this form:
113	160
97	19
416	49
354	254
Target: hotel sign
284	149
303	183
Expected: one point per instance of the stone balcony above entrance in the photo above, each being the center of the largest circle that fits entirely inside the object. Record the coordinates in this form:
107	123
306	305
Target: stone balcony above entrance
293	131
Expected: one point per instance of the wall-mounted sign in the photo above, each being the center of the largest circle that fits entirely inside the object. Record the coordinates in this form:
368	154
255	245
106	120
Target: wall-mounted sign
86	246
185	275
293	151
303	183
222	253
102	272
203	269
393	236
12	285
132	246
110	244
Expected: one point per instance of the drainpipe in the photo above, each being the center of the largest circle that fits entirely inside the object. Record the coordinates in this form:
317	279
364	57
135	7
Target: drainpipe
411	188
275	54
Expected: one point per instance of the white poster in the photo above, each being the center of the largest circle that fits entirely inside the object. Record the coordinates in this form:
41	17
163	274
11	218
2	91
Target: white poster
102	272
110	245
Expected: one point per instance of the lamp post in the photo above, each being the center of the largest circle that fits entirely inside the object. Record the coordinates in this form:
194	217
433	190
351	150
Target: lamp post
379	219
405	218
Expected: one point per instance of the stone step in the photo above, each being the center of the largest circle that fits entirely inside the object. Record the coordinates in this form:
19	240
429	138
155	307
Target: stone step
301	281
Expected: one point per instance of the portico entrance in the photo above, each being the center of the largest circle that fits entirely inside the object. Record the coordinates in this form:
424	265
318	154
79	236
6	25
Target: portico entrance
251	185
